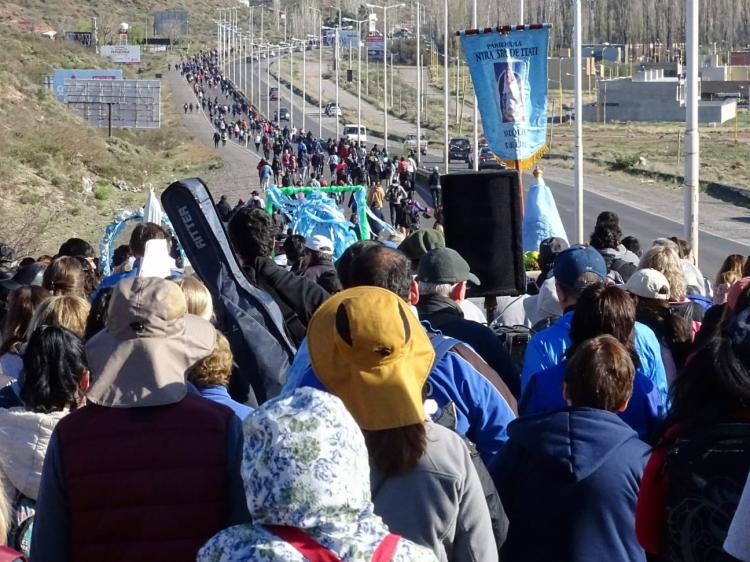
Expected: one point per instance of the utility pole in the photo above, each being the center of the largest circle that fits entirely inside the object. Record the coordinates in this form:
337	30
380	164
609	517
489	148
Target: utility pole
320	74
336	66
475	144
419	86
218	38
268	83
579	124
692	139
446	156
251	31
291	83
304	83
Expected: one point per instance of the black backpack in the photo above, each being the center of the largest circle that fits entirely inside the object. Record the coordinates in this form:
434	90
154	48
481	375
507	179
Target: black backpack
707	471
248	317
515	339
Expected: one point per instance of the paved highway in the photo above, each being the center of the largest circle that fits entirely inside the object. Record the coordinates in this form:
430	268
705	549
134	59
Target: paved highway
656	213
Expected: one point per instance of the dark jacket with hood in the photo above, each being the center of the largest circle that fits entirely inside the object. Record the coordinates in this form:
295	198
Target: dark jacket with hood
568	481
297	297
446	315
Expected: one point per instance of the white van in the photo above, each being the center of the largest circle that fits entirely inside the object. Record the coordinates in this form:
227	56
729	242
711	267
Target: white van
350	132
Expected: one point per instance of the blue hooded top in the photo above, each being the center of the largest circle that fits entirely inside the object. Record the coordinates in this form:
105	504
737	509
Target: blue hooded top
644	413
569	481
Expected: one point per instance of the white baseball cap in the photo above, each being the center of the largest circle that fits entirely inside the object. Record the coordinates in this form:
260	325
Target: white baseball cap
649	284
319	243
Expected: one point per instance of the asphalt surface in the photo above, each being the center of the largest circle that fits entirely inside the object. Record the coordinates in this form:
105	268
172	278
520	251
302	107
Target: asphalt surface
646	217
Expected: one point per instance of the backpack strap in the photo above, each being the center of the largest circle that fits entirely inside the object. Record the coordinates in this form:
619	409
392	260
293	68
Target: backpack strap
302	543
441	344
387	549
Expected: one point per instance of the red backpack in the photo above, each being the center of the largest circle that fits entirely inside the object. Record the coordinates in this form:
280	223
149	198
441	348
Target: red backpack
314	552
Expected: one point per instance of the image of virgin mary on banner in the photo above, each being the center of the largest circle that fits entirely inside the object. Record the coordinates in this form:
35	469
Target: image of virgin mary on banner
508	68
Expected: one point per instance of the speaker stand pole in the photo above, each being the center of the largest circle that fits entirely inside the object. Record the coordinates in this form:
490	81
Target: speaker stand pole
520	186
490	305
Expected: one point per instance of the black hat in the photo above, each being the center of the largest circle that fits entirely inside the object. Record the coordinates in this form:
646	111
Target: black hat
445	265
548	250
30	275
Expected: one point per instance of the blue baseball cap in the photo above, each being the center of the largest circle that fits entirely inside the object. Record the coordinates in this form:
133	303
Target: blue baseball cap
572	264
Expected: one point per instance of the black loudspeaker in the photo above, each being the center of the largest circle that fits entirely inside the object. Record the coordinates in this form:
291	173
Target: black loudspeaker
482	220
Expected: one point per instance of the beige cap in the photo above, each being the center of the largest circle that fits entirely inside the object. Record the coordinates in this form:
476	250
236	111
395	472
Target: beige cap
140	358
649	284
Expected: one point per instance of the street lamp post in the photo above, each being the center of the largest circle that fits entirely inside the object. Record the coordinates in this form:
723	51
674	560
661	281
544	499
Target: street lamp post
218	38
385	67
336	65
320	71
252	46
304	84
291	84
359	72
278	87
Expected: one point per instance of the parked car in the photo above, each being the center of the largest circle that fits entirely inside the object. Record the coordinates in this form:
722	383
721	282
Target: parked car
350	133
331	110
488	160
410	143
273	93
459	149
281	115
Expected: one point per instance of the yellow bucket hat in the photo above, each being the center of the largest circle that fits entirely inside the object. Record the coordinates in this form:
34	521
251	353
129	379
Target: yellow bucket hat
369	349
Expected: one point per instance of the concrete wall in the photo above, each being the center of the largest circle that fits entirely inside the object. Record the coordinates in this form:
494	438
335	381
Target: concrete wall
717	111
652	100
635	99
559	68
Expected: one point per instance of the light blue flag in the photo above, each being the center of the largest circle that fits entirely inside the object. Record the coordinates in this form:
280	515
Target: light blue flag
509	71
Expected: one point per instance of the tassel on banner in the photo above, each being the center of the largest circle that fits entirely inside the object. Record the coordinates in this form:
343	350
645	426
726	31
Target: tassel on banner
526	164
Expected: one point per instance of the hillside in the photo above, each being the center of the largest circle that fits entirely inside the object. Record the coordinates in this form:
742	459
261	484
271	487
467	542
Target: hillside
46	151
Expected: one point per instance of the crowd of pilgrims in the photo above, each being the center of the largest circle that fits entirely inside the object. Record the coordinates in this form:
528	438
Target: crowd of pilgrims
410	426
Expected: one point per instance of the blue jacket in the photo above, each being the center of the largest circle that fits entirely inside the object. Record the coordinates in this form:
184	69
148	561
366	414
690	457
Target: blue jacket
547	348
544	394
569	481
220	395
482	414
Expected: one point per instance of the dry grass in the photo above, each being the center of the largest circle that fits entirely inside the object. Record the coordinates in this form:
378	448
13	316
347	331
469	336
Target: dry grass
45	151
723	159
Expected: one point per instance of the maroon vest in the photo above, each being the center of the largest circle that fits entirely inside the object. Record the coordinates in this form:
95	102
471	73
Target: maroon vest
145	483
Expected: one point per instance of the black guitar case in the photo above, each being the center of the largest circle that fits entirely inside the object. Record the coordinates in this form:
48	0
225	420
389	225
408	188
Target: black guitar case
248	316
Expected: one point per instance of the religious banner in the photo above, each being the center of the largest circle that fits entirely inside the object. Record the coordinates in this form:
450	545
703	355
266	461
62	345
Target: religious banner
508	68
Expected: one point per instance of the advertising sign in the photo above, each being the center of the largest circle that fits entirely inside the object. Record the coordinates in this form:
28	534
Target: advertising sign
61	75
375	47
509	71
122	54
116	103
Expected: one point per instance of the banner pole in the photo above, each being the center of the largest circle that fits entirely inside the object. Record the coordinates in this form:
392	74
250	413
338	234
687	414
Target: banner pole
520	186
